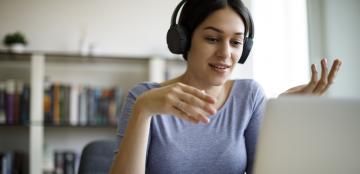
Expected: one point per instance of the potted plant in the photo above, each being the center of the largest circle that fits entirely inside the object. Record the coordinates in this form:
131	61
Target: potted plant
15	42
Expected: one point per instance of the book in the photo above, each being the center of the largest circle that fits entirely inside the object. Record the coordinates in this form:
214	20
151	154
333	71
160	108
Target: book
69	162
58	162
17	97
56	103
2	102
12	162
25	104
74	105
10	101
82	106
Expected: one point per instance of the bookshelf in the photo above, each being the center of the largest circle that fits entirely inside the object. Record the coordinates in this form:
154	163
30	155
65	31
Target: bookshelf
38	139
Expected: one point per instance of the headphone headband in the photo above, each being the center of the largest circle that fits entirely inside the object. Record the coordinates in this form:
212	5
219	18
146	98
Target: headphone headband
176	11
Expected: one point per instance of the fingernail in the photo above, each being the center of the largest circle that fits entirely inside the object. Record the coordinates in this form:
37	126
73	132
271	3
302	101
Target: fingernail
315	69
325	60
338	67
213	111
207	121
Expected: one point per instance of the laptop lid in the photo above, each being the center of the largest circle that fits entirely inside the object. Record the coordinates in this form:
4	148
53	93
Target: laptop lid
309	135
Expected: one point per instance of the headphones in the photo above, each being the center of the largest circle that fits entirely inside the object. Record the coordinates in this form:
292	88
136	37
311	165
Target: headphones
177	39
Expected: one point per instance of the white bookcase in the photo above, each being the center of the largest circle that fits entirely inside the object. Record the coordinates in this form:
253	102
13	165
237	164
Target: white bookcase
39	140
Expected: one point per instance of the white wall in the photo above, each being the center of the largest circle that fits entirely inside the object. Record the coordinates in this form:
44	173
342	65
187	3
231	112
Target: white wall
125	27
334	33
116	27
280	52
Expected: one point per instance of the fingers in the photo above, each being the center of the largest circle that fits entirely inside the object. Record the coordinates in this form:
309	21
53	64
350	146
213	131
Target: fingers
184	110
191	111
313	82
334	69
323	82
315	86
196	92
327	78
197	102
184	116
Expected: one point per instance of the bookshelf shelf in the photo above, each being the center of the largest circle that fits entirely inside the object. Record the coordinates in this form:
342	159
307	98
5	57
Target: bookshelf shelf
39	139
79	126
14	125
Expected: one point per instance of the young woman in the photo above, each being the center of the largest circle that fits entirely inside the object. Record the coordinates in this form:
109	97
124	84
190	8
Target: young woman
201	122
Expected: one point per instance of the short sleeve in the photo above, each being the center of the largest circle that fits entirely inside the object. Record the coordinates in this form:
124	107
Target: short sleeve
125	112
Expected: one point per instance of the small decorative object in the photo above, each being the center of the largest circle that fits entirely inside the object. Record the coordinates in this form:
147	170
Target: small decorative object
15	42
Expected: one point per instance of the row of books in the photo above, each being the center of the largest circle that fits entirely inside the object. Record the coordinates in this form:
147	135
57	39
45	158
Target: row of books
12	162
81	105
14	102
63	104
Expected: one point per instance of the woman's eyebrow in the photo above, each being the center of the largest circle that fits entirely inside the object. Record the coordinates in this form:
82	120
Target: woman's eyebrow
220	31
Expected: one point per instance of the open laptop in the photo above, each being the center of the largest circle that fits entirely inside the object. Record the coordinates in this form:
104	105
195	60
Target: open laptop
309	135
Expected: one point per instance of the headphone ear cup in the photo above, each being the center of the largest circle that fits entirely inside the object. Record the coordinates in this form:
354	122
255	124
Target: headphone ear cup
248	43
176	39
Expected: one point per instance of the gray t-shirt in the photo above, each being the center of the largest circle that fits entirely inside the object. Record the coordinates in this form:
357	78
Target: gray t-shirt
226	145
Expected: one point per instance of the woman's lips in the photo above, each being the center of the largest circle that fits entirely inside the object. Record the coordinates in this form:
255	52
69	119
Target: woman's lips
219	67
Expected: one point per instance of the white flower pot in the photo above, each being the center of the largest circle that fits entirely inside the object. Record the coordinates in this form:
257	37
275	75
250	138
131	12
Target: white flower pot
17	48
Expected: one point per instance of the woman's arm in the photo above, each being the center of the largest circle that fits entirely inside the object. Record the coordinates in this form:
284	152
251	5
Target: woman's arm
177	99
131	156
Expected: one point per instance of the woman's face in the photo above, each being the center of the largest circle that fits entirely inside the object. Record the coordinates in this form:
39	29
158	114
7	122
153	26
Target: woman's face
216	47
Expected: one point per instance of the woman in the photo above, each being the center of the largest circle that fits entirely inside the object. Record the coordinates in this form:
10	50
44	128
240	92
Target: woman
201	122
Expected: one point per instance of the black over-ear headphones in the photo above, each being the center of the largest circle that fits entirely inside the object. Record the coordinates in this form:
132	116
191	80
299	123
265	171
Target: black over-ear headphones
177	38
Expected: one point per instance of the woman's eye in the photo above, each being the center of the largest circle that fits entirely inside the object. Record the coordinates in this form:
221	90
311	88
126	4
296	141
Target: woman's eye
211	39
236	43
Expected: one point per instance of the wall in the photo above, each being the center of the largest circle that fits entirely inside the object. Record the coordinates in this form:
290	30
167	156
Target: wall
280	45
125	27
115	27
334	33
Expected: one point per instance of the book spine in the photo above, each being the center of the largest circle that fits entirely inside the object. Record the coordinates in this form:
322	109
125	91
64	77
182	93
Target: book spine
17	102
67	104
56	104
59	162
47	103
62	104
83	106
74	105
69	162
25	106
10	99
2	103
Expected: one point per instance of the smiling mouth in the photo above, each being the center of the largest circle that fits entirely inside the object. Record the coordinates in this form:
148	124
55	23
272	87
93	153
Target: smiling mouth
219	67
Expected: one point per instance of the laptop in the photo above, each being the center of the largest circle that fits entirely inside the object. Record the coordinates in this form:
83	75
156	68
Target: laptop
309	135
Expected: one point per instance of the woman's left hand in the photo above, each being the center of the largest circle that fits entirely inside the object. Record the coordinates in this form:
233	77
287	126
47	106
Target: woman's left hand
316	86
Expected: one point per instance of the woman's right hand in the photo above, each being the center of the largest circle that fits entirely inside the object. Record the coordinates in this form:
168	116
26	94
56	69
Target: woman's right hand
177	99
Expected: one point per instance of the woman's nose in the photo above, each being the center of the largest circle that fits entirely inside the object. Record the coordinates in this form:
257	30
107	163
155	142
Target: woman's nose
223	51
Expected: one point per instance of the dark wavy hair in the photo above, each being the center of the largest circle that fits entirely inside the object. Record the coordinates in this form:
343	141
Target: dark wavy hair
194	12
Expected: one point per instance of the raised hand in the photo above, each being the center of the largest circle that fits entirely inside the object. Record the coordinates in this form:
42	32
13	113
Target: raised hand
177	99
317	86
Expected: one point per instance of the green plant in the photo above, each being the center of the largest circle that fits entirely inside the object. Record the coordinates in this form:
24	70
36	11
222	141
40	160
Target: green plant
14	38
